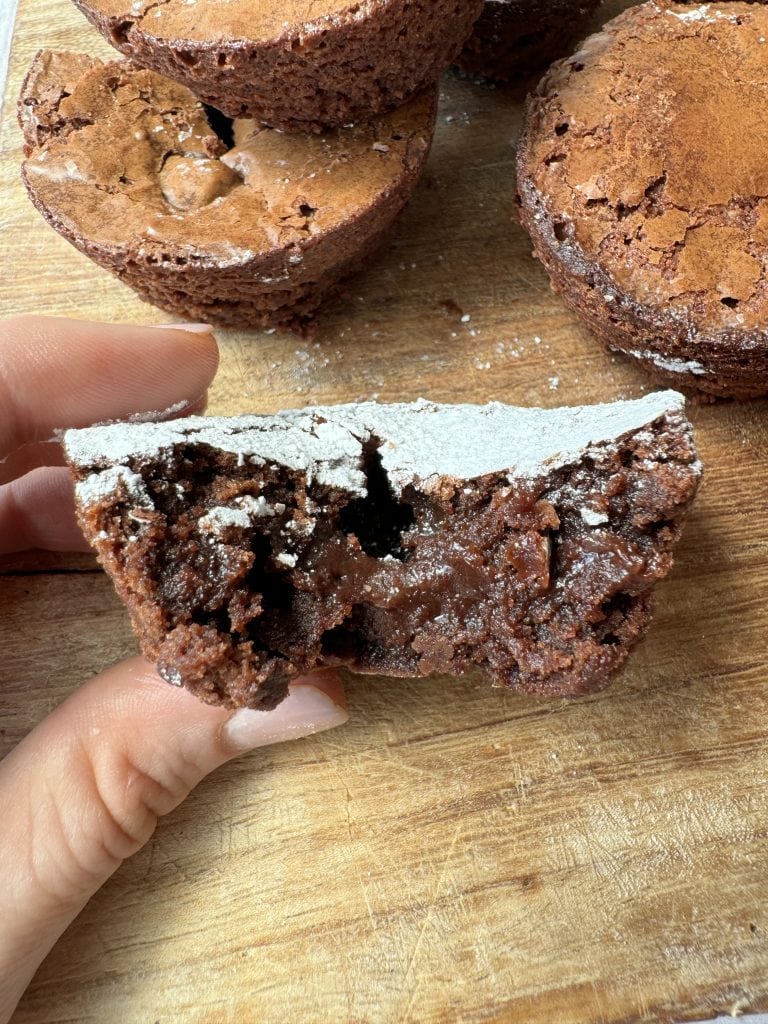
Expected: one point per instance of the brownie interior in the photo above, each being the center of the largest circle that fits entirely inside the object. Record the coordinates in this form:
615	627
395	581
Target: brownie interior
545	583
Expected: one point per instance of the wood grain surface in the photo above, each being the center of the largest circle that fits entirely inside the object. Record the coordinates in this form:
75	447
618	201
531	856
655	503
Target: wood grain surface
455	853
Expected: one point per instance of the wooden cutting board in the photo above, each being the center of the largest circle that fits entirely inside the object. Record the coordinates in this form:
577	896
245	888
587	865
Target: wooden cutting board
454	853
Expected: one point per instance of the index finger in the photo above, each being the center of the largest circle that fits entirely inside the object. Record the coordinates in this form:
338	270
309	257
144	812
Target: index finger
57	373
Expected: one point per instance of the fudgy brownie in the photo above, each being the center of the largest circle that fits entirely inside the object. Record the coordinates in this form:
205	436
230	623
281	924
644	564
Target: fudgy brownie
643	183
290	63
255	229
512	38
401	539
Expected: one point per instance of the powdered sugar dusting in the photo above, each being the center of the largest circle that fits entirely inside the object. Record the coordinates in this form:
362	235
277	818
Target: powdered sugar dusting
107	481
592	517
669	364
216	520
702	13
419	442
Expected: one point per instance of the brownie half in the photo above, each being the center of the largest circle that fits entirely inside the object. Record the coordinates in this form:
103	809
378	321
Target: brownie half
289	63
249	227
514	38
398	539
643	183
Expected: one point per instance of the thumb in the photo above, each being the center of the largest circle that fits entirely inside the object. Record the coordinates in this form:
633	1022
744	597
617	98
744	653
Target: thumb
85	789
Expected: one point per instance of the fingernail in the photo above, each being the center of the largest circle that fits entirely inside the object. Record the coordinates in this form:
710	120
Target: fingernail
304	712
191	328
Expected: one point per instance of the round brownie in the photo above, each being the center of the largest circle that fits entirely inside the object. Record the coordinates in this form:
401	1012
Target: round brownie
512	38
643	182
253	229
292	64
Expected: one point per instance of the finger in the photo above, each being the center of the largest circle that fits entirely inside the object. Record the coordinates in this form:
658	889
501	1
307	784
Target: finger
38	511
50	453
67	373
29	457
85	789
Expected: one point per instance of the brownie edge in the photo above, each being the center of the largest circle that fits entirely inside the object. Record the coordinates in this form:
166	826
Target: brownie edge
290	65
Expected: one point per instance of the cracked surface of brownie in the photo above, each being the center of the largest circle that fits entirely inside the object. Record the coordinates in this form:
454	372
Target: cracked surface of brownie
289	63
404	540
643	183
248	227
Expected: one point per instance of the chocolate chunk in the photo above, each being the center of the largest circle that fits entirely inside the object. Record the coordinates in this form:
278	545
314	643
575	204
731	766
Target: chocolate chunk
400	539
125	164
288	63
644	186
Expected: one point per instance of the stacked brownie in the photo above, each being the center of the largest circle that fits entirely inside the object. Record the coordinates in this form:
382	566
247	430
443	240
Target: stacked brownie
125	164
245	157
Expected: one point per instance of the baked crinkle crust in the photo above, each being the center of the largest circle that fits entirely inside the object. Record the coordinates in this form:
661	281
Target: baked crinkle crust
293	64
125	165
398	539
643	183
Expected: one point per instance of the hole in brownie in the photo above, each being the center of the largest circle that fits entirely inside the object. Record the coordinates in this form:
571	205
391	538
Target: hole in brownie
187	57
342	641
378	520
560	229
530	39
306	210
273	585
221	125
655	191
358	640
615	610
120	32
729	301
660	526
561	129
556	158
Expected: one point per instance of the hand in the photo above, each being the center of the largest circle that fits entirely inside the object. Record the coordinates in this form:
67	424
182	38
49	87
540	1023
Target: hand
85	789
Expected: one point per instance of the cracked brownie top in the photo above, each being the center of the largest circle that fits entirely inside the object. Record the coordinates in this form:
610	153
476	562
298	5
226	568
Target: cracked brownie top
647	150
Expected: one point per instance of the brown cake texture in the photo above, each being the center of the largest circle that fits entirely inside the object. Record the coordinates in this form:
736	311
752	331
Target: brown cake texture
290	63
252	230
643	183
513	38
397	539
